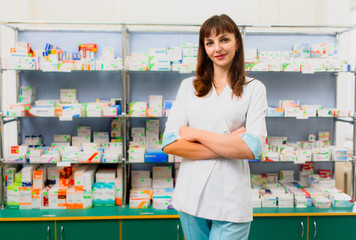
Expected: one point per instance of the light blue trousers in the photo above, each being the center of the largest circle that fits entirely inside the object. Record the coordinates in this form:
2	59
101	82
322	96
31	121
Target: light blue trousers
196	228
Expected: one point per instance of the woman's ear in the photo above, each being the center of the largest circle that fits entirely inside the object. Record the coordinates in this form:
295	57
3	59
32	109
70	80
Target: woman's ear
237	45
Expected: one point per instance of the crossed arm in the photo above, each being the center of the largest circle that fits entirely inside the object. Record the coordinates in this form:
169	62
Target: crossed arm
201	144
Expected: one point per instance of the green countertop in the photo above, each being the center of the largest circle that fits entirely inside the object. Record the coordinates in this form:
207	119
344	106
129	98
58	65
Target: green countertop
116	212
309	211
127	213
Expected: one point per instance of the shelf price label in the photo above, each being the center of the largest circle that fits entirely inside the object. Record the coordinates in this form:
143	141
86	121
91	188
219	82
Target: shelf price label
63	164
302	117
66	118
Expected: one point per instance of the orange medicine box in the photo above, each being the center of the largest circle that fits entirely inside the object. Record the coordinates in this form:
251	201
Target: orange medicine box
88	46
79	178
36	198
66	182
25	197
62	197
74	198
15	149
38	179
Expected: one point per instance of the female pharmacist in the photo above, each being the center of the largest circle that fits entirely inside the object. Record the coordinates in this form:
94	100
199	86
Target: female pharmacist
217	122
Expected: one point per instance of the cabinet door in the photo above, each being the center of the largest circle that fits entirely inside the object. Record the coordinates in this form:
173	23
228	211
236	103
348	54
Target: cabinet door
333	227
278	228
152	229
27	230
88	230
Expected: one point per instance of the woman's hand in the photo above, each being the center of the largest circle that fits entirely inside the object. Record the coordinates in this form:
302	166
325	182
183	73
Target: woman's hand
189	134
239	132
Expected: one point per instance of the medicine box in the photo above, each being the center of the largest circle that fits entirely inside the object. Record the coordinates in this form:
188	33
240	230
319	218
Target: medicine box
68	95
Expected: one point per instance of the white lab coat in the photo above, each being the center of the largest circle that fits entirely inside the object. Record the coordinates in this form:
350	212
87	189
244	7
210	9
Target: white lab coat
217	189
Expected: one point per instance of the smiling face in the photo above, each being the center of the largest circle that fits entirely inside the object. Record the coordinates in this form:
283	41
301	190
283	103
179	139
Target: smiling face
221	49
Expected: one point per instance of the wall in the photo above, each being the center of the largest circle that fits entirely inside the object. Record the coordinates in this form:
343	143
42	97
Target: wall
183	11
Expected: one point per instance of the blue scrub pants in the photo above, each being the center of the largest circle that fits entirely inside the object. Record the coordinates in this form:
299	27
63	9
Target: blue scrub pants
196	228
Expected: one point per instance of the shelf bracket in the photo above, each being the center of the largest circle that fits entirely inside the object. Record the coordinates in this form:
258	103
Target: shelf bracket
11	120
353	162
243	33
345	121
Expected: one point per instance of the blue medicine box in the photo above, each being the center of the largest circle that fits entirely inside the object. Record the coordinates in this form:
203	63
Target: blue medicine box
155	155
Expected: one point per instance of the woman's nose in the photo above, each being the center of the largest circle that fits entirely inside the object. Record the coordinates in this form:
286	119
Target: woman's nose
217	46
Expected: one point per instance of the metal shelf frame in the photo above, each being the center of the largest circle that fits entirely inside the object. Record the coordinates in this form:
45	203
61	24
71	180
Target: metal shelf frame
125	28
331	29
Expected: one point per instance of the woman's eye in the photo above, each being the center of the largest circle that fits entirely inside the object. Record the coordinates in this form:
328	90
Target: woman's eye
209	43
225	39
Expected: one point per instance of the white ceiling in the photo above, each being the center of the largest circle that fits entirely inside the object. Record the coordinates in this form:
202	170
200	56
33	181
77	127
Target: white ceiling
353	4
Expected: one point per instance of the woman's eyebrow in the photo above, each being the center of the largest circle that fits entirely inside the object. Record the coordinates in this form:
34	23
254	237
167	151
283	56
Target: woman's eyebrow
222	36
209	39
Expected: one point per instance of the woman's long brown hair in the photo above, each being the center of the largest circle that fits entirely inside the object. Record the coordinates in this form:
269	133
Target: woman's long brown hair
205	70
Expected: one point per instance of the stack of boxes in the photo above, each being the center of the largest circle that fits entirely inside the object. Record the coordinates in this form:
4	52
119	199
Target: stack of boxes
93	110
162	184
26	98
158	60
285	201
175	57
286	175
152	133
53	58
182	58
9	178
83	136
137	145
101	138
293	108
162	177
69	106
304	173
104	193
138	109
145	145
118	186
155	106
68	96
278	149
190	55
159	188
62	140
319	190
21	57
108	61
115	130
65	107
27	95
70	154
303	57
42	187
138	135
87	50
137	62
137	154
269	200
18	154
141	192
112	153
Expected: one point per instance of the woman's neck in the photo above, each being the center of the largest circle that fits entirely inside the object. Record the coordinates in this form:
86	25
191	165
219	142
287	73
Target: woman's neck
221	76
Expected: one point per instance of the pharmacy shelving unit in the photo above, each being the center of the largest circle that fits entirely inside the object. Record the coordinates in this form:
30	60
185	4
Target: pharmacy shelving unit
128	223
